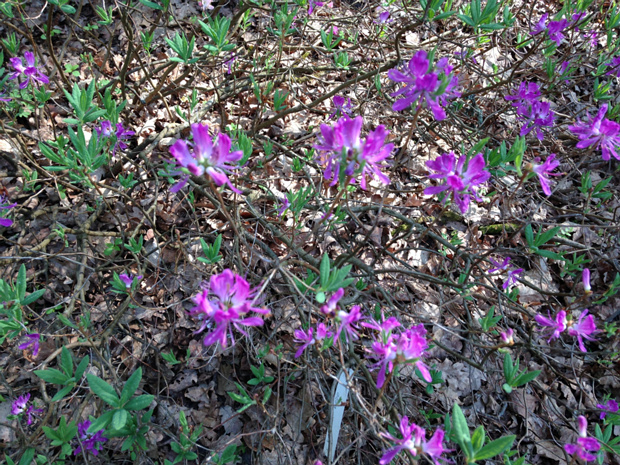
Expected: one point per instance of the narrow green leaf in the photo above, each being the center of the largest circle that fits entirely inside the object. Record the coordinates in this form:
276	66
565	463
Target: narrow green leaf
494	448
131	385
21	283
103	390
478	438
66	361
79	372
140	402
461	430
525	378
62	393
119	420
102	422
529	235
52	375
33	297
27	457
324	269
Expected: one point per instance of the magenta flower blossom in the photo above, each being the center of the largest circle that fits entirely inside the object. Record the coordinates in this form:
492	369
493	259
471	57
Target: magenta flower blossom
344	153
538	115
543	171
128	279
340	107
611	406
230	62
5	205
121	134
91	442
554	28
459	182
209	156
330	307
507	336
411	346
347	321
19	405
32	412
556	326
384	16
513	274
285	204
414	441
600	133
615	67
226	302
499	266
310	337
585	445
423	85
528	93
585	278
30	72
583	329
32	340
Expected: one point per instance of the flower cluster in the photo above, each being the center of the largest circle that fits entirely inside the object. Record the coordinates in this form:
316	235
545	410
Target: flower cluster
461	183
390	348
31	340
19	406
5	205
210	156
120	134
344	154
226	302
92	442
414	441
534	113
600	133
584	327
425	85
554	28
513	273
543	171
340	107
585	445
30	72
611	406
128	280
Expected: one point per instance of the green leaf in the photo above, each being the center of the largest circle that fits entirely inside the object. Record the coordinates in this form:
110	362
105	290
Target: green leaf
324	269
66	361
478	438
33	297
525	378
461	430
506	387
62	393
119	420
546	236
549	254
494	448
131	385
102	422
27	457
79	372
21	283
140	402
52	375
529	235
103	390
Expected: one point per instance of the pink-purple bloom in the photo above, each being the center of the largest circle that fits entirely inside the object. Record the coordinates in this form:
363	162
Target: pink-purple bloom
19	405
507	336
611	406
226	303
600	133
340	107
583	329
314	3
91	442
310	337
458	181
556	326
128	279
348	321
530	110
554	28
285	204
424	85
31	340
5	205
585	278
30	72
120	134
544	170
209	156
414	441
585	445
513	274
344	154
615	67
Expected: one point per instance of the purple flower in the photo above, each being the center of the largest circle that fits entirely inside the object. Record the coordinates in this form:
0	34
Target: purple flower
19	405
611	406
212	157
554	28
310	337
314	3
592	37
226	302
540	26
30	71
422	85
538	115
513	276
32	340
330	307
205	4
5	205
600	133
585	445
414	441
32	412
92	442
121	134
507	336
615	67
230	62
285	204
584	327
557	326
347	321
499	266
459	182
343	152
543	171
528	93
340	107
585	278
384	16
385	351
128	279
411	346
